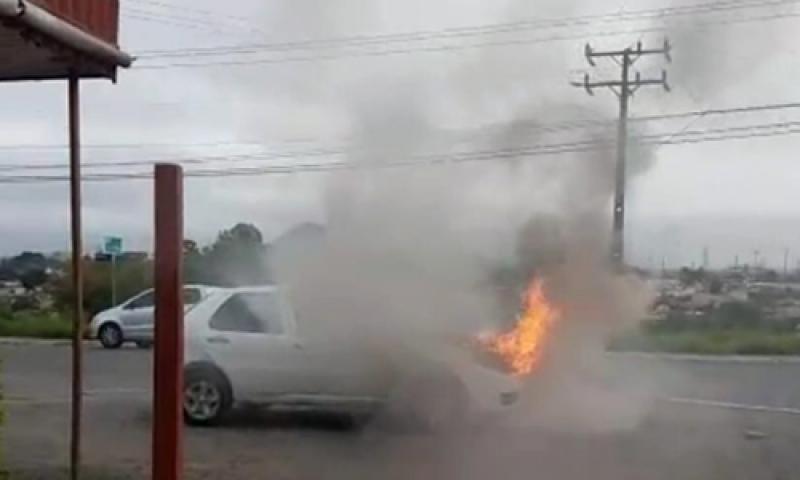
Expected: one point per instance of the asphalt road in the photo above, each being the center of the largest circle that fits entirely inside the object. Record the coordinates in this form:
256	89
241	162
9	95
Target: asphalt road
631	417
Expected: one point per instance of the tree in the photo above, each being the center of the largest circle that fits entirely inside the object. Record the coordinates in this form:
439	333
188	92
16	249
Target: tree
190	247
19	266
715	285
195	268
237	257
33	279
132	277
689	276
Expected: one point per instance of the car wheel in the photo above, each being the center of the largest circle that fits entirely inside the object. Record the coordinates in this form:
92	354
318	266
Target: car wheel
110	335
358	421
207	396
437	405
144	344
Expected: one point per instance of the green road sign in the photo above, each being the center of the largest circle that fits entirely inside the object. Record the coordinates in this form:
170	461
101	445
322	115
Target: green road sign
112	245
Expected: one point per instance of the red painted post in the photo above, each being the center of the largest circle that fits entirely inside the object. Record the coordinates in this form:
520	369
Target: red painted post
76	232
168	362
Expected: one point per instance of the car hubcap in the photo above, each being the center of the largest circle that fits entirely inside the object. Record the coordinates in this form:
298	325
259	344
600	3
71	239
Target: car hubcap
110	336
201	400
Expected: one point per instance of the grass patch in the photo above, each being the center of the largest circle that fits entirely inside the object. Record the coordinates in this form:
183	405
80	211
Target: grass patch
35	325
711	342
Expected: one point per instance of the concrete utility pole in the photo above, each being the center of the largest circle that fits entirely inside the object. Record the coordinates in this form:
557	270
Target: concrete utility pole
625	87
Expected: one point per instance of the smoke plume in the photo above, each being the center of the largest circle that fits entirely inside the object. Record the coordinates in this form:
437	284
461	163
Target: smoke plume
425	238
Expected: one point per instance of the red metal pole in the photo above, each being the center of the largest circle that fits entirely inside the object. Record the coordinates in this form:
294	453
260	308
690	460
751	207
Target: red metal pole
168	363
77	274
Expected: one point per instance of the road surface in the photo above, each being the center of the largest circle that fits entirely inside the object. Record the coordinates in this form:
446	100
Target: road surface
635	417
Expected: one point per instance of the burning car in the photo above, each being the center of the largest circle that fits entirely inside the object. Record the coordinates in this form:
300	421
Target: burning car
246	346
522	347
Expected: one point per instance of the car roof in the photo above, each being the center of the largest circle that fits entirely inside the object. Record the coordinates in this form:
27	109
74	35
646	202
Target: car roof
197	285
247	289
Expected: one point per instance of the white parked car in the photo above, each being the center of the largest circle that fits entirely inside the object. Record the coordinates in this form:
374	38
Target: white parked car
244	346
132	320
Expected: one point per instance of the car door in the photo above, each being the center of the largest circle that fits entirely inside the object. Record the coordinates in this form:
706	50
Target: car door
137	315
250	339
341	361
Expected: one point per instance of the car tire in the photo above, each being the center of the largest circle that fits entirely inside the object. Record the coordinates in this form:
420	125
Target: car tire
434	404
207	395
144	344
358	421
110	336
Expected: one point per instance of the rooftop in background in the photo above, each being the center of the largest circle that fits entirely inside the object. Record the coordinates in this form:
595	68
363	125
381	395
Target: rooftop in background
49	39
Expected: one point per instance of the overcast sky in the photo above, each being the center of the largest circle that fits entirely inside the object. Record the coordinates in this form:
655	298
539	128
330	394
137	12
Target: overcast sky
734	197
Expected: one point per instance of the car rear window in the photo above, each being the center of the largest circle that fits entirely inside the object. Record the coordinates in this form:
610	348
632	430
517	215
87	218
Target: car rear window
144	301
191	296
249	312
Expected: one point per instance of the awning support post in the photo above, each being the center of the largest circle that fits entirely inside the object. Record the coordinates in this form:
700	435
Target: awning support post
77	273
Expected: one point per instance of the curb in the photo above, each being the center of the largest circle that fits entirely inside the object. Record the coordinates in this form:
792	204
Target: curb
686	357
23	342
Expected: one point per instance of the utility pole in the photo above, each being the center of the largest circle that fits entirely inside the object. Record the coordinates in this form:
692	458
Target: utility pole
785	263
624	88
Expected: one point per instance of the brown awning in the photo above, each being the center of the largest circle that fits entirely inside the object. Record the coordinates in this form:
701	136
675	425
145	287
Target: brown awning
44	40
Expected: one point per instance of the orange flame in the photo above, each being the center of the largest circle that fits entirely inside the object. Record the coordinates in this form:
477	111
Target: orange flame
522	347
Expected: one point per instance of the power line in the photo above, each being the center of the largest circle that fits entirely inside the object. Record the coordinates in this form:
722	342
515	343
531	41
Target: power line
183	160
474	30
452	47
185	8
209	25
786	128
444	34
643	139
555	127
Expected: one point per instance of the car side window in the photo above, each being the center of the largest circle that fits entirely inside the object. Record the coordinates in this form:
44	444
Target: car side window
250	313
143	301
191	296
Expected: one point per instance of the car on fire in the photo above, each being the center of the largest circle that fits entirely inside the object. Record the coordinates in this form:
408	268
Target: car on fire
246	346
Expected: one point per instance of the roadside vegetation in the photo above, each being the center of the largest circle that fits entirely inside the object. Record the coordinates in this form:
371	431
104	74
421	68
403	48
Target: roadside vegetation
36	293
34	324
736	328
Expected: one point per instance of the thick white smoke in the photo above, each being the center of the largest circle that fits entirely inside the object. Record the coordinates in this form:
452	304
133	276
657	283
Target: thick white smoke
444	247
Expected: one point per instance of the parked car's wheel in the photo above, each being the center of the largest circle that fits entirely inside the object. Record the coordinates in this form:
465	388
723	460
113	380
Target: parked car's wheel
110	335
144	343
435	404
207	395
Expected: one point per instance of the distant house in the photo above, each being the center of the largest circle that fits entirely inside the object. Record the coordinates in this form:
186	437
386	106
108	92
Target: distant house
133	257
11	288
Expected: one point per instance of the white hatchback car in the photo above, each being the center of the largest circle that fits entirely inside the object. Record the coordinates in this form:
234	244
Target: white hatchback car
243	346
132	320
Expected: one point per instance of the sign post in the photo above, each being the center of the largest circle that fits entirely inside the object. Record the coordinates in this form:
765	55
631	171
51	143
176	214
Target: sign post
112	246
